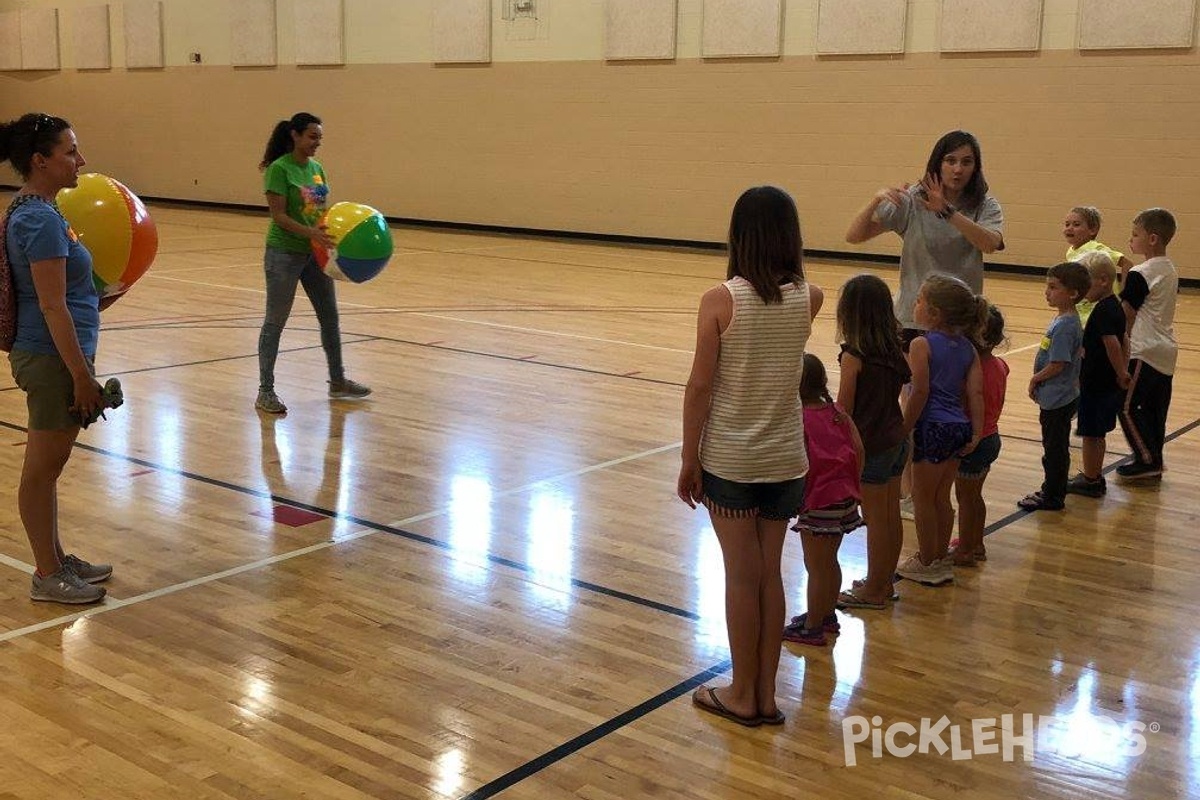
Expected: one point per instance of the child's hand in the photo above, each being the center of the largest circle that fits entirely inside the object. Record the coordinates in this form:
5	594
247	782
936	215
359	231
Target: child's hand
1123	380
690	486
1033	388
971	445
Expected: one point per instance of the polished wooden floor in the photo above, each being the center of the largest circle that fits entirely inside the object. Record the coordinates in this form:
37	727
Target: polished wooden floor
494	590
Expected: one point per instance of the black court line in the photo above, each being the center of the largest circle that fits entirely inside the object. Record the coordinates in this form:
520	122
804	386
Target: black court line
394	340
1124	459
573	746
197	320
217	360
370	524
568	748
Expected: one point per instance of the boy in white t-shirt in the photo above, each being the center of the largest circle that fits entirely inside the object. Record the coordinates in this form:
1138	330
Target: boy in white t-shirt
1148	298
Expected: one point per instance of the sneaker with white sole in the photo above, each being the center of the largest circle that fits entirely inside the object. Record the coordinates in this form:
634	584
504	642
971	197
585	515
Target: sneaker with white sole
90	573
64	586
933	574
346	389
269	402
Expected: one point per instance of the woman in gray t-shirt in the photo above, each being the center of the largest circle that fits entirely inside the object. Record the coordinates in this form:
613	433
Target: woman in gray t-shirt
947	221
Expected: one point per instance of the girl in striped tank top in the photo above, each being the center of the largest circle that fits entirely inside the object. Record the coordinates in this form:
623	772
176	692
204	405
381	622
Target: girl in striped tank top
743	437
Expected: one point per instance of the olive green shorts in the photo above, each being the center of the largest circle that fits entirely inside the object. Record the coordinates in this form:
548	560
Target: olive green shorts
49	389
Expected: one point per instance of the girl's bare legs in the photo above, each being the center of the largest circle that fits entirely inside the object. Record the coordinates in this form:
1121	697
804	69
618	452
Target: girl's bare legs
972	516
744	594
772	611
944	508
931	504
885	538
824	575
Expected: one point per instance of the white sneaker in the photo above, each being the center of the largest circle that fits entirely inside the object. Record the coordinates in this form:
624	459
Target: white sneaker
906	508
934	574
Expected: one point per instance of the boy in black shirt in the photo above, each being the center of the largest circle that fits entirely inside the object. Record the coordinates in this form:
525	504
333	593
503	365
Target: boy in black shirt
1103	376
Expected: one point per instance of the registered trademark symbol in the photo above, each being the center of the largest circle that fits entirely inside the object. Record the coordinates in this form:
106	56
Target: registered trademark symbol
1155	727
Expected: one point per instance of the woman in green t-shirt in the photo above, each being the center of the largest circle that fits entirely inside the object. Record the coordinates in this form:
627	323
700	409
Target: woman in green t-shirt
296	196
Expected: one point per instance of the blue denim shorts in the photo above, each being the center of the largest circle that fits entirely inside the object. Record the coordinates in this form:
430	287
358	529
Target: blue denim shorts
778	501
976	464
882	467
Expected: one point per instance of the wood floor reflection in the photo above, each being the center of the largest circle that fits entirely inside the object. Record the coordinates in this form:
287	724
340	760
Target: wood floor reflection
479	582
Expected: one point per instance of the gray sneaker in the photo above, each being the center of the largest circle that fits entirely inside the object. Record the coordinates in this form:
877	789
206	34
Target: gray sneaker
346	389
269	402
64	586
91	573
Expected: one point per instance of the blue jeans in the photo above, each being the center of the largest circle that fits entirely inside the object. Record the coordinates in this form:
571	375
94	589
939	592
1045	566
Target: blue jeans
284	269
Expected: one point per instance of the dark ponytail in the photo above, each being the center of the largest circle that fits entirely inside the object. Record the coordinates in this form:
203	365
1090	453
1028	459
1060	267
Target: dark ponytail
32	133
280	142
814	385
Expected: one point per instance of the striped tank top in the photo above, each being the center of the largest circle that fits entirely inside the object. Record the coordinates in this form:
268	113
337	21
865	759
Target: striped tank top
755	428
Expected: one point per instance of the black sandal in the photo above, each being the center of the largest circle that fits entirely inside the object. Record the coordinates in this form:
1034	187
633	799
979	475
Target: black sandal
1036	501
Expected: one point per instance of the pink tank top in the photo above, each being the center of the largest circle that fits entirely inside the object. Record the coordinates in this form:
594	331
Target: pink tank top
833	472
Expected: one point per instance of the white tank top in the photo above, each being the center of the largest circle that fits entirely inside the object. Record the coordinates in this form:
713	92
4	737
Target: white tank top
755	428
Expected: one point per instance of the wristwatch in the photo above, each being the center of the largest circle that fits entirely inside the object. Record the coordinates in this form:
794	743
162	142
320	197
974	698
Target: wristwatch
947	212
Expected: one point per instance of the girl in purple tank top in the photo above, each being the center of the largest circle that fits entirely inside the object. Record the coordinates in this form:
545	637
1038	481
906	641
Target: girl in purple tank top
945	372
831	498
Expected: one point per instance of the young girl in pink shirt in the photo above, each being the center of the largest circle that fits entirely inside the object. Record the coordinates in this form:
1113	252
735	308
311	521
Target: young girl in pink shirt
831	498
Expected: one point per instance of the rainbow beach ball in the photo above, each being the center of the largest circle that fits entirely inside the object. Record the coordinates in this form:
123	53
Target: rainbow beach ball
114	226
362	242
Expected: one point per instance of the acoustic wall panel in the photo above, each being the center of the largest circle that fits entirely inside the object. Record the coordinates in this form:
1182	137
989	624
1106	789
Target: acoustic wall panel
462	31
861	26
252	33
981	25
639	29
39	38
1110	24
143	34
747	28
320	32
10	40
92	37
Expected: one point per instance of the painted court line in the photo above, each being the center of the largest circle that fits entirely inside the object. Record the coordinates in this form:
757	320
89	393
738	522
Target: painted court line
542	332
559	334
251	289
112	604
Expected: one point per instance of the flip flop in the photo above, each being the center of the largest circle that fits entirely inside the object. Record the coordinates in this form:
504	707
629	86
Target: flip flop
1036	501
858	583
848	599
716	707
777	718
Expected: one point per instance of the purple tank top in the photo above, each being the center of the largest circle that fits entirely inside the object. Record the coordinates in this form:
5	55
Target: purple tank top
950	359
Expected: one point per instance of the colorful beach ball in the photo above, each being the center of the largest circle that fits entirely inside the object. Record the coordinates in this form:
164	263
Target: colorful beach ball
362	242
114	226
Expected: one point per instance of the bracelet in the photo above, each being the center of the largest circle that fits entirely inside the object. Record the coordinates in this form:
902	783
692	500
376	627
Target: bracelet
947	212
